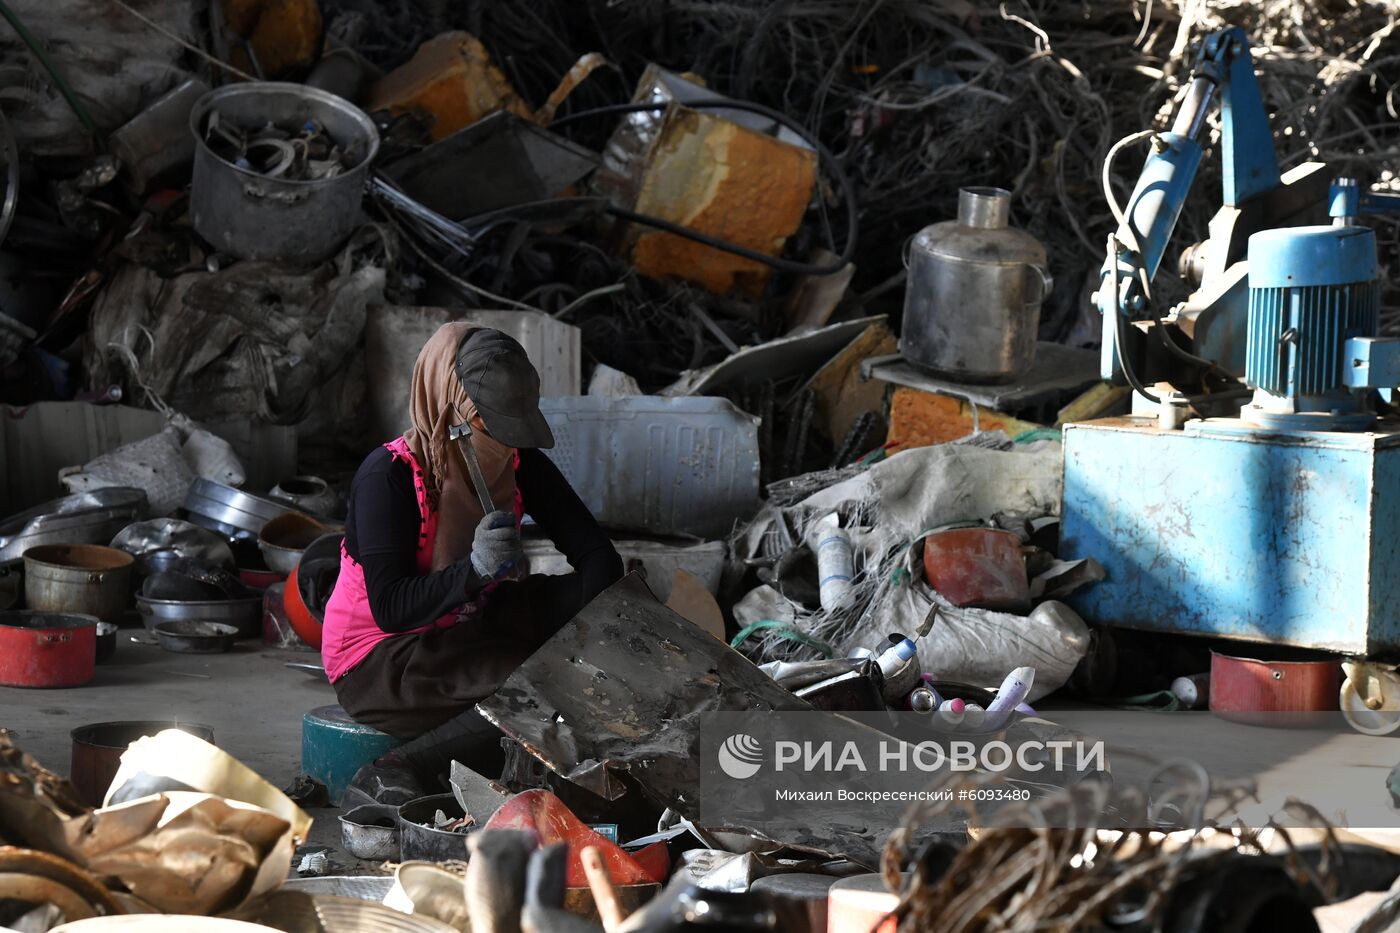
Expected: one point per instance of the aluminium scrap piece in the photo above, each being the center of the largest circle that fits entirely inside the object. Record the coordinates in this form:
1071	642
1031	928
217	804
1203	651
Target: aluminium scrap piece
621	692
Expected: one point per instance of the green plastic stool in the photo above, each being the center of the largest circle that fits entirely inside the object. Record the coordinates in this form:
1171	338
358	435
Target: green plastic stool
334	747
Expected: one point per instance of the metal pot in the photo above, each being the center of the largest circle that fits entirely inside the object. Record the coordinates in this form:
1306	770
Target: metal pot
84	578
256	217
972	303
309	494
230	511
245	615
418	839
98	747
1293	687
284	539
371	832
86	518
47	649
195	637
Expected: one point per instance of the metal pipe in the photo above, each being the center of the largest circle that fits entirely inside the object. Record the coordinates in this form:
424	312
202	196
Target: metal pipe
1191	118
988	208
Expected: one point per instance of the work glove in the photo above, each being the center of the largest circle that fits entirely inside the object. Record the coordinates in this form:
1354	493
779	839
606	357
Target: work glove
496	547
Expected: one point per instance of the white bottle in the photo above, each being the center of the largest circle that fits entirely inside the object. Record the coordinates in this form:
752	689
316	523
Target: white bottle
836	563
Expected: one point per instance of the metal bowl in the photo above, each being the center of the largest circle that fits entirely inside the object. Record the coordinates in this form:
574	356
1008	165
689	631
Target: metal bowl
371	832
230	511
245	615
284	539
195	637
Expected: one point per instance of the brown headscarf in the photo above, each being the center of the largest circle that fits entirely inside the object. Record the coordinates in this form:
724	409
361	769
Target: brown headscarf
436	402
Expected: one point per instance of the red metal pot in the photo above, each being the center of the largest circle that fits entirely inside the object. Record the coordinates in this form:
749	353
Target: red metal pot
1277	692
98	747
47	649
980	568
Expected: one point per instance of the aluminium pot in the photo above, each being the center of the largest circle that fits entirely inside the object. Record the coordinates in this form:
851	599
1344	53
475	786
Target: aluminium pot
244	614
47	649
309	494
230	511
975	285
256	217
88	579
418	840
98	747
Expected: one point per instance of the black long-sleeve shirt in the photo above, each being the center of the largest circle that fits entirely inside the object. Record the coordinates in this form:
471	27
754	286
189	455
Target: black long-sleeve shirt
382	532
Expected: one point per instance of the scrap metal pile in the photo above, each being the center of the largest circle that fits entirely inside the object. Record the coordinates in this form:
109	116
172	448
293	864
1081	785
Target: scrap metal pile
698	218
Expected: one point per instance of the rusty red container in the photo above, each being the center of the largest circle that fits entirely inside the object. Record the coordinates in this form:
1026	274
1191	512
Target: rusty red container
97	751
47	649
979	568
1293	689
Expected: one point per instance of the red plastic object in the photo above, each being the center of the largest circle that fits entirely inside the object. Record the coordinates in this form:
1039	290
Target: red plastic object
655	860
47	649
1256	691
304	622
980	568
545	815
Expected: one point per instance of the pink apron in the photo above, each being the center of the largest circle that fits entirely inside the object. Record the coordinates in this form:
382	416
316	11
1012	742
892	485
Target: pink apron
350	632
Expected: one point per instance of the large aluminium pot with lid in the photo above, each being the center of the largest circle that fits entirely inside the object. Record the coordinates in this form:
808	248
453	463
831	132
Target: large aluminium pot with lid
972	302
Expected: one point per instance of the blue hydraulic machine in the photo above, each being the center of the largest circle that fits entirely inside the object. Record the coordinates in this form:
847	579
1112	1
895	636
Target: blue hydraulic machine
1254	494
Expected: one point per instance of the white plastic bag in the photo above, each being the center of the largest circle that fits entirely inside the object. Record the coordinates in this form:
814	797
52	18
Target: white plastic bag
979	646
153	464
211	457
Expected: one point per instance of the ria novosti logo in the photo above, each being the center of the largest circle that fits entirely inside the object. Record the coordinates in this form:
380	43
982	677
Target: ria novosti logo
741	756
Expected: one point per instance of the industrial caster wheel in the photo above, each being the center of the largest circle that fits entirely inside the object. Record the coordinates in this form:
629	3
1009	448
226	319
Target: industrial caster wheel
1370	697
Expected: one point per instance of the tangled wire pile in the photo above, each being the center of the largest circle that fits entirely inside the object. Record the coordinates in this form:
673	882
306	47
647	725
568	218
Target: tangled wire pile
1051	865
920	98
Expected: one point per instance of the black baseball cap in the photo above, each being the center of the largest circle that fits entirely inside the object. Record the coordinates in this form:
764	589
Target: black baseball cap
500	379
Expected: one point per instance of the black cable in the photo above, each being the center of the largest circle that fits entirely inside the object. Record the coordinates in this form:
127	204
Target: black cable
824	156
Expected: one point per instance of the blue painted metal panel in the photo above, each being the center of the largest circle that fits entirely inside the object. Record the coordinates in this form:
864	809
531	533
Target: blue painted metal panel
1228	531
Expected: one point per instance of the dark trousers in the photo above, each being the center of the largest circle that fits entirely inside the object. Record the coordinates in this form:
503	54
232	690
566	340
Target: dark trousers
411	683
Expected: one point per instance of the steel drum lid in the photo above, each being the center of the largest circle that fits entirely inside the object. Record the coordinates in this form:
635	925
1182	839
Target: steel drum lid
84	518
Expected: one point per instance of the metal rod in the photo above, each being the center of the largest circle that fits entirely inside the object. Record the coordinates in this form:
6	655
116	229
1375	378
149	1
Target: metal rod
462	434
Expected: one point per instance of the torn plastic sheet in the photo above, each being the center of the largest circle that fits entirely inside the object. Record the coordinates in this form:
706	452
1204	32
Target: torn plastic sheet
620	689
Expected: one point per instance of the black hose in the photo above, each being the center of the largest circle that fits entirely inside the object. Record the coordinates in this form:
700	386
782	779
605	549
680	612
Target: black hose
824	155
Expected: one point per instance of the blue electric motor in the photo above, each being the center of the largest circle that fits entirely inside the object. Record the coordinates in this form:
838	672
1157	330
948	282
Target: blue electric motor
1310	290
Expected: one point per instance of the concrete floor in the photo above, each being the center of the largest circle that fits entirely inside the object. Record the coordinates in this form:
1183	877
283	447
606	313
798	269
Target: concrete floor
254	704
251	700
